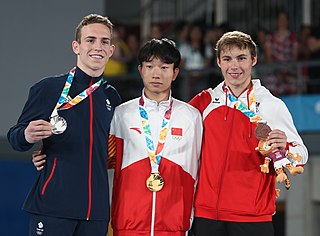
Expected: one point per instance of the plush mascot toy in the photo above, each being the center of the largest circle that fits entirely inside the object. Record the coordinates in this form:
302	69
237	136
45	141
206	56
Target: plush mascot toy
278	156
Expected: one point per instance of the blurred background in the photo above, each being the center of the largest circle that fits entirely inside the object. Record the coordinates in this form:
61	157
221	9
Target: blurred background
36	42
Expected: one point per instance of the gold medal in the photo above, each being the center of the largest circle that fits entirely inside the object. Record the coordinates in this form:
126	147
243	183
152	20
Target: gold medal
155	182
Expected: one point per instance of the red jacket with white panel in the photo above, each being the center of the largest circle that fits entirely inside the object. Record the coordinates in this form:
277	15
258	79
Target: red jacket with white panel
135	209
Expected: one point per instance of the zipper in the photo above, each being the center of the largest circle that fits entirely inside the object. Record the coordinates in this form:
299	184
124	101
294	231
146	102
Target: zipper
90	157
50	176
153	213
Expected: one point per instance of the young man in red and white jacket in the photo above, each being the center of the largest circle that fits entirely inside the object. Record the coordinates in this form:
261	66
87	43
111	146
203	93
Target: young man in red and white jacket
233	196
158	144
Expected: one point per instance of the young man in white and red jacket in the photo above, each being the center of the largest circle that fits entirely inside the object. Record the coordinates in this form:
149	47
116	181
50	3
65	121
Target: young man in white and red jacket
158	143
233	197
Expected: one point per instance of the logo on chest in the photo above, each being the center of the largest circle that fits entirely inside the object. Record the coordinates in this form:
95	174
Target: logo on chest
108	105
176	133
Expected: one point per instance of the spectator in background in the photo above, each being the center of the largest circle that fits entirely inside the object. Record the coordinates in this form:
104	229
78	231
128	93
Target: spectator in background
193	58
133	44
211	36
304	51
282	47
118	64
313	85
133	85
260	39
303	41
155	31
192	52
182	30
181	35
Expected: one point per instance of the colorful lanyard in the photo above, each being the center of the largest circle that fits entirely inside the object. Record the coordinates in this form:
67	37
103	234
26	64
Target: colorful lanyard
64	98
249	112
154	154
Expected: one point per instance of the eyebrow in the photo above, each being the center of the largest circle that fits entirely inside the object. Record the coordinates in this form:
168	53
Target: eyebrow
240	55
94	37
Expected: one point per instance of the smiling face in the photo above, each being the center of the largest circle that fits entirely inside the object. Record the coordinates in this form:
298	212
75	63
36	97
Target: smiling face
157	77
93	49
236	67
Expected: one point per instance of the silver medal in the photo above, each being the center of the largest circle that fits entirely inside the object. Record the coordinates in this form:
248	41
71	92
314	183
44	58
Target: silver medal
58	124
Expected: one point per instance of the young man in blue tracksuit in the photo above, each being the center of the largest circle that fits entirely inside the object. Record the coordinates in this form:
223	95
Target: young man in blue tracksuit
70	114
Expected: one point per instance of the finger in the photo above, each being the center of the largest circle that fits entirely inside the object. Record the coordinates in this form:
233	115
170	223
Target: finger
36	153
39	123
39	163
277	143
39	158
277	133
39	168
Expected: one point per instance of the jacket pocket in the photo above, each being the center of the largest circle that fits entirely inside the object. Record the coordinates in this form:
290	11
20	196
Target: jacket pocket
50	176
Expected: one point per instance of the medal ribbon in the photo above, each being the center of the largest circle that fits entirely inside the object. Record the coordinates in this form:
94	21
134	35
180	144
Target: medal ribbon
249	112
154	154
79	98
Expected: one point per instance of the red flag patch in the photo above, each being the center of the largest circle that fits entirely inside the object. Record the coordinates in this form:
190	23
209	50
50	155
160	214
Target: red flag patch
176	131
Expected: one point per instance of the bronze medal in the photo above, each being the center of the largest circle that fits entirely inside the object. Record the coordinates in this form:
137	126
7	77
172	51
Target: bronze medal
262	131
155	182
58	124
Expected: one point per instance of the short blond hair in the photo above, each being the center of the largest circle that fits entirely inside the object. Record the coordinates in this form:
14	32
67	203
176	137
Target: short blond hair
236	39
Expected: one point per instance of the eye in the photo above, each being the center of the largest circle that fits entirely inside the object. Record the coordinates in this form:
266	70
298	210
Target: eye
90	40
106	42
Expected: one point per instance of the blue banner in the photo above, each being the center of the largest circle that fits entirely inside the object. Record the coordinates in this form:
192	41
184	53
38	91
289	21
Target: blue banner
305	111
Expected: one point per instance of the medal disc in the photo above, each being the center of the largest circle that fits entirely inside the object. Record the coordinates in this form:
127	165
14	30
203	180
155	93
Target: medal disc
155	182
262	131
58	124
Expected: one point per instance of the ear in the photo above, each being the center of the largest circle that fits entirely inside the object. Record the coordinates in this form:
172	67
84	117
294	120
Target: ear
254	60
218	62
139	69
175	73
75	47
112	48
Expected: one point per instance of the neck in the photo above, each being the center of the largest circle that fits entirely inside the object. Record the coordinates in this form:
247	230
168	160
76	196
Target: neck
238	90
92	73
157	97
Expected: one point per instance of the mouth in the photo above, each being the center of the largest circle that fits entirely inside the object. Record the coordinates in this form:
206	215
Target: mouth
235	75
155	84
96	56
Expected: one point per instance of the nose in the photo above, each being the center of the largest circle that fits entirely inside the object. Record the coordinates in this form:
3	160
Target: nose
234	64
155	71
98	49
98	46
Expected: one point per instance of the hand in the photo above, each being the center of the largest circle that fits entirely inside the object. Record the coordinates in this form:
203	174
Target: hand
37	130
38	159
277	139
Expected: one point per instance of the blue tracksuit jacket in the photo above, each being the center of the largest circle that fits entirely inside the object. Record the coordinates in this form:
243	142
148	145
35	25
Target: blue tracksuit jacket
74	182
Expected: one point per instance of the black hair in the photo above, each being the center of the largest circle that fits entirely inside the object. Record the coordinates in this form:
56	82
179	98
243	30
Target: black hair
163	49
